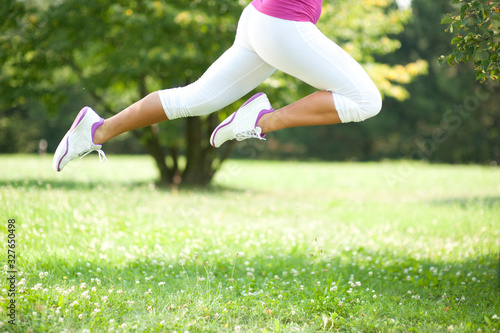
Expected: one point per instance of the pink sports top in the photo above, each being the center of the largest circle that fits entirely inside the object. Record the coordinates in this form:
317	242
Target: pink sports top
292	10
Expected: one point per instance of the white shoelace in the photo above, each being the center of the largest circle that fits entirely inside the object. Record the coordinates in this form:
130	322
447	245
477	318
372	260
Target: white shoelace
249	134
102	156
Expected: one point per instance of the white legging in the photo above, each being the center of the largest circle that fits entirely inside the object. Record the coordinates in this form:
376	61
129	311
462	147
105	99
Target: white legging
264	44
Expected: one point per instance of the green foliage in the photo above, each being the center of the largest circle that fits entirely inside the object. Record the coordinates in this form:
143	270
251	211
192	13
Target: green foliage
478	36
344	247
115	53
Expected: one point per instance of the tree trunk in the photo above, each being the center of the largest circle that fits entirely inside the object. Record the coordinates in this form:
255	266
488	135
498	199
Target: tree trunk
196	172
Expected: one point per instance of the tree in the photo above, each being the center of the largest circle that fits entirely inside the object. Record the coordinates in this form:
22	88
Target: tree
478	38
449	117
116	52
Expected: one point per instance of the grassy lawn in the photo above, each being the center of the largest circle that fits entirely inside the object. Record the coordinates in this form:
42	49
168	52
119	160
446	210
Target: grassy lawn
271	247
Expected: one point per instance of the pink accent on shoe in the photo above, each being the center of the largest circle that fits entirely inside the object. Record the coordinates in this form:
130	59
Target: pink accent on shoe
252	98
77	120
95	127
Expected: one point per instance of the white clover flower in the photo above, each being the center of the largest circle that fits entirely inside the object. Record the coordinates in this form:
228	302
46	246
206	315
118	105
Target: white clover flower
358	284
119	291
80	316
130	302
23	281
370	273
83	285
161	284
73	304
104	299
98	270
35	314
375	296
150	308
41	275
37	286
334	288
94	289
58	310
61	320
494	316
162	322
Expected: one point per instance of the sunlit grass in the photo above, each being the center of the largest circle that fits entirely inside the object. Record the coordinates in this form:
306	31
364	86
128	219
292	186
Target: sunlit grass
271	246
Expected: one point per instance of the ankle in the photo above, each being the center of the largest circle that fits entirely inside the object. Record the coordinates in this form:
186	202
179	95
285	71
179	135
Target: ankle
266	122
99	137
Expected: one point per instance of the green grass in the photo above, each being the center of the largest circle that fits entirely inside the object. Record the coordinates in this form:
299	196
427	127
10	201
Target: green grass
271	247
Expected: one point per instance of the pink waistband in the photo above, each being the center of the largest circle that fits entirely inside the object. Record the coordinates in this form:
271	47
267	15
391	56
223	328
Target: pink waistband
292	10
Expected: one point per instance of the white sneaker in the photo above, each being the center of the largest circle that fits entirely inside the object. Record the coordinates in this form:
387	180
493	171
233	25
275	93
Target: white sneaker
242	124
79	140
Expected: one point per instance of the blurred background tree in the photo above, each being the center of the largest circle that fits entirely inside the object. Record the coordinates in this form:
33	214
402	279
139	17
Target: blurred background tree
478	38
58	56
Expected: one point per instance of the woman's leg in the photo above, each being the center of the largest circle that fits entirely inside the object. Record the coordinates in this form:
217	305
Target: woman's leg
238	71
145	112
233	75
315	109
301	50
